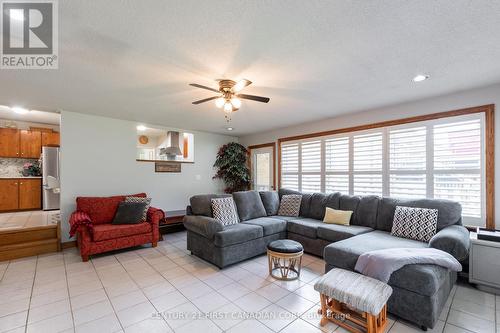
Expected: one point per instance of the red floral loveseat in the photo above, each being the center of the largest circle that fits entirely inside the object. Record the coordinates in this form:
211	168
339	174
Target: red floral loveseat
91	222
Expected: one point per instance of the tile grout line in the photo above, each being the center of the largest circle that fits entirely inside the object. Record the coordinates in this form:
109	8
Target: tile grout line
31	296
106	293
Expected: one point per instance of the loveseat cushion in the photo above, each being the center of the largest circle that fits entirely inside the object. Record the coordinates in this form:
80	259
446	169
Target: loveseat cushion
249	205
202	204
270	225
107	231
338	232
317	206
271	202
449	212
304	226
102	209
237	233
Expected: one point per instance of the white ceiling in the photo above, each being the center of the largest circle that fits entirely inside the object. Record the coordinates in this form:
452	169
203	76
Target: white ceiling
315	59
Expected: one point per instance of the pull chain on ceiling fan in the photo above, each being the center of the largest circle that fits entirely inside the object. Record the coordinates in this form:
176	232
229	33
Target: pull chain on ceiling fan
229	99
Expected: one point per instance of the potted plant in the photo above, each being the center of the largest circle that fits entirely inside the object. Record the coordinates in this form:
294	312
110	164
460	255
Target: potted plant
231	164
32	169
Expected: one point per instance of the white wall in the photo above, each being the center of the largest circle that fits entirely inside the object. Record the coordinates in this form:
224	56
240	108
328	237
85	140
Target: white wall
469	98
98	159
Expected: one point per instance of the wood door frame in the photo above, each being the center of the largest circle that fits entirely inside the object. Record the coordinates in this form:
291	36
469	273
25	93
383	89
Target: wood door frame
264	145
489	130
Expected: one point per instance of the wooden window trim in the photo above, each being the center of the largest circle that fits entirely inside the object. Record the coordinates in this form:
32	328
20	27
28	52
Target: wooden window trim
489	112
264	145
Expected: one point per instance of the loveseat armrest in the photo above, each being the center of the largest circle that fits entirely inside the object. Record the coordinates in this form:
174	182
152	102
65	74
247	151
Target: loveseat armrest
202	225
154	215
77	219
453	239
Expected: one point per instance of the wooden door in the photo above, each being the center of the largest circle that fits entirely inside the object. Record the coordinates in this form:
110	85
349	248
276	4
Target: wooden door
30	194
9	142
31	144
9	194
50	139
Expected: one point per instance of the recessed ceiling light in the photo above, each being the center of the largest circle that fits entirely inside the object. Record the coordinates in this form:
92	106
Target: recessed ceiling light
141	128
229	128
19	110
420	78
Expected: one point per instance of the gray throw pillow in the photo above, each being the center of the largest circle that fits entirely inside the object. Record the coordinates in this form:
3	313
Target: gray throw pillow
129	213
224	211
415	223
290	205
271	201
249	205
147	201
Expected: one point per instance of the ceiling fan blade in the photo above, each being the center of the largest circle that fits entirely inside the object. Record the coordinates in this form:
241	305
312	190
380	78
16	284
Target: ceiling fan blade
203	87
254	98
240	85
205	100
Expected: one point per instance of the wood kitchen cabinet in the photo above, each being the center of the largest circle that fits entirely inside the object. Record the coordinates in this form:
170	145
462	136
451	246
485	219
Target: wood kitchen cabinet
9	194
9	142
30	144
30	193
50	139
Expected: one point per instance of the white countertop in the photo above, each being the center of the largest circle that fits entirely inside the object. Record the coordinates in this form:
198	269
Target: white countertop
19	177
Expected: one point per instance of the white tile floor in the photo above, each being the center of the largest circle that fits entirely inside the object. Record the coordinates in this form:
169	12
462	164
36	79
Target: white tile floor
164	289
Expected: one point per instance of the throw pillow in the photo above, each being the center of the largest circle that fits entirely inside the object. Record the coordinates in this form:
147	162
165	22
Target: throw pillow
271	201
129	213
145	200
224	211
335	216
290	205
414	223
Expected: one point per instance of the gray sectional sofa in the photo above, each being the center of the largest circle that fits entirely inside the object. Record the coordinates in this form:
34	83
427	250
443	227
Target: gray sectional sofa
420	291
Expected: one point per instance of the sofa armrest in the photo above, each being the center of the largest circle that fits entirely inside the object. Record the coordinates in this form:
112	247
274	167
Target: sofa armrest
78	219
202	225
154	215
454	240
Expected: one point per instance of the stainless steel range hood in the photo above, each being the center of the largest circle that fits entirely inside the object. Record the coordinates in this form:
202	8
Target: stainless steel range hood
173	147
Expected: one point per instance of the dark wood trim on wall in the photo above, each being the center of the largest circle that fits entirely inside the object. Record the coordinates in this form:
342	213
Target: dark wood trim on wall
264	145
68	245
489	112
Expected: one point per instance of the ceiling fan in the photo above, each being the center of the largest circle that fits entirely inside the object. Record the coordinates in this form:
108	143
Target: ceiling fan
229	97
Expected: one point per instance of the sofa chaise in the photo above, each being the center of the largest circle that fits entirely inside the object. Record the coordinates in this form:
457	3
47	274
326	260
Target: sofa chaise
420	291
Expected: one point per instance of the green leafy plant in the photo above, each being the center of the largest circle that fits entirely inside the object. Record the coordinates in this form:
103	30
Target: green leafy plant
231	164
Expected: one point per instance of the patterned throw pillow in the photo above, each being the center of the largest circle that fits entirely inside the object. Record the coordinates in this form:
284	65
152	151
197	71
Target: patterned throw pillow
290	205
224	210
144	200
414	223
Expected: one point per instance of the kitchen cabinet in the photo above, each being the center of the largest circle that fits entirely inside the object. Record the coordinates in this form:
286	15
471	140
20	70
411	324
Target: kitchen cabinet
30	193
9	142
9	194
50	139
30	144
20	194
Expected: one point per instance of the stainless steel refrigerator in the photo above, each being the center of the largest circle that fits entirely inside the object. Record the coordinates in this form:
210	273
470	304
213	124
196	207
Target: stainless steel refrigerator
50	178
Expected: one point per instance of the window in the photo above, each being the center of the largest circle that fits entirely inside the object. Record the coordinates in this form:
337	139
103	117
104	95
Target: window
441	158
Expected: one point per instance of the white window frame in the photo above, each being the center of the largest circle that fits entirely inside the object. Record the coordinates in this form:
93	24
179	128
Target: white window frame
386	172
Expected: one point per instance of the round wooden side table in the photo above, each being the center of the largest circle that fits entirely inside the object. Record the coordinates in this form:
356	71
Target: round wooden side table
285	259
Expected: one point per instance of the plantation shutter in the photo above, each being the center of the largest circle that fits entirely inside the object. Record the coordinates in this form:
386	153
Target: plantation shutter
337	165
367	163
311	166
290	166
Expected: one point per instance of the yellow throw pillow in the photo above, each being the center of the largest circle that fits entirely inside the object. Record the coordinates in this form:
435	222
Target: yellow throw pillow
335	216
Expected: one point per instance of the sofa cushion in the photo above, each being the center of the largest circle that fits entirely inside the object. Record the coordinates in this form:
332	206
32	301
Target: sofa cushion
345	253
449	212
271	202
249	205
304	226
270	225
202	204
102	209
333	200
317	206
237	233
366	211
107	231
337	232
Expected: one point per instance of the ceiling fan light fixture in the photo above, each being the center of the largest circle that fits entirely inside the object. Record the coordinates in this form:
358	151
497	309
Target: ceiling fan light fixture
228	107
219	102
240	85
236	102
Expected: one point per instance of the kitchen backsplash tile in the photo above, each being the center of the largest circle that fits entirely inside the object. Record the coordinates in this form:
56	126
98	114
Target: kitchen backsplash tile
12	167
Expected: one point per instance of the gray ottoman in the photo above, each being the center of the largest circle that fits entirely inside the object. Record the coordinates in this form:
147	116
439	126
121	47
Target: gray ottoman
285	259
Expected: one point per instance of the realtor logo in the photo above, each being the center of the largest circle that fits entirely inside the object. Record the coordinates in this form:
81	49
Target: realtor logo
29	34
